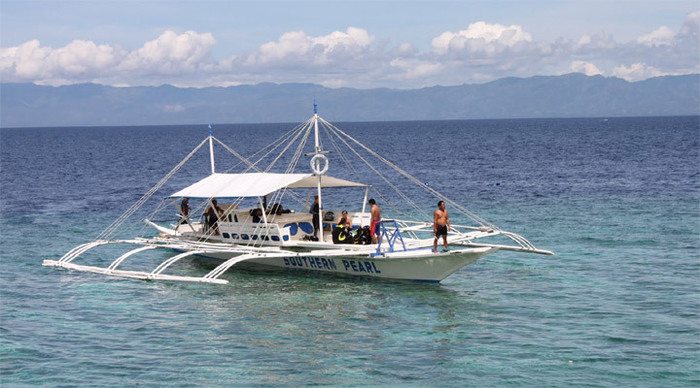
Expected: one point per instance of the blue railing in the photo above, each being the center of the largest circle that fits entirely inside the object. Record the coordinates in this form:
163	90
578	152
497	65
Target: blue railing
390	235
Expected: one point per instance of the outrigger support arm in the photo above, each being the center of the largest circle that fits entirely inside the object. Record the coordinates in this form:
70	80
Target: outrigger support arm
243	254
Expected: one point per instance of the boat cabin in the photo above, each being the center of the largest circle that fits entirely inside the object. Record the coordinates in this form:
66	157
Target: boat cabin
268	223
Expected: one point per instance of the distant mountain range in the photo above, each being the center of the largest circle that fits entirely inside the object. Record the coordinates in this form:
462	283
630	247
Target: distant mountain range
570	95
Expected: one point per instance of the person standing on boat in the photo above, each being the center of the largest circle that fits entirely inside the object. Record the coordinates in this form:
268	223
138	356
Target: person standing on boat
184	211
374	225
441	224
314	215
212	213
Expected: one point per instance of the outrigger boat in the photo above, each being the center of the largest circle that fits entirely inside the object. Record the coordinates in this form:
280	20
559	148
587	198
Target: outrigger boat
264	236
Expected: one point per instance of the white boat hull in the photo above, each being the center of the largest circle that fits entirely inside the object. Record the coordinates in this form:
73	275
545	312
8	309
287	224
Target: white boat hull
428	267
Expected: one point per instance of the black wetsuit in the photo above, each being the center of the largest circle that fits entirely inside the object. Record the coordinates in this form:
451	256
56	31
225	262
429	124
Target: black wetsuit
314	217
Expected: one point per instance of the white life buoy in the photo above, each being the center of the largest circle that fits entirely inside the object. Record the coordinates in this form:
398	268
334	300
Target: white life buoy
323	163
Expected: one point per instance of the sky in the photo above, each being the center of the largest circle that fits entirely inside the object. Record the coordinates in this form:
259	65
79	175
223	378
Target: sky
359	44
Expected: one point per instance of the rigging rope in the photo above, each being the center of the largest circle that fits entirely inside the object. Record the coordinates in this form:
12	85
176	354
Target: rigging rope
105	234
413	179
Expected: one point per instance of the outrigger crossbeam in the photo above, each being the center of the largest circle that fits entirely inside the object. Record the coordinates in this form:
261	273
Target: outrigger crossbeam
157	273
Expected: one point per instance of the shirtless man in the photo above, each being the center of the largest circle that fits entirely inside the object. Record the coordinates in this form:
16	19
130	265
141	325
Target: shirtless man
441	224
374	228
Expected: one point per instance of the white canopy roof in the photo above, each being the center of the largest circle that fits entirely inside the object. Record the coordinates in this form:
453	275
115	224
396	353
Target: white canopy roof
256	184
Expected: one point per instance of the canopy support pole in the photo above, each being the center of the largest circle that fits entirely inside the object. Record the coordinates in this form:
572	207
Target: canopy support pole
364	206
263	210
211	152
317	145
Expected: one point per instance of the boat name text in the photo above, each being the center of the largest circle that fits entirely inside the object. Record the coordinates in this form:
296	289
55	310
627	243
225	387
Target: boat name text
329	264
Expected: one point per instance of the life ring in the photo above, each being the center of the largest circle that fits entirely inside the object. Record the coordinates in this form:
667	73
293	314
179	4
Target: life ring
323	162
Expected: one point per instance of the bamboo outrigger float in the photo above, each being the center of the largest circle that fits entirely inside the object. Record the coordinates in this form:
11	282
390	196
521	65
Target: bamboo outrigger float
276	238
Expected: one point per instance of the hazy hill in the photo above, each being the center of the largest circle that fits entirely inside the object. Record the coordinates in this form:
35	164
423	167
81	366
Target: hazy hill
571	95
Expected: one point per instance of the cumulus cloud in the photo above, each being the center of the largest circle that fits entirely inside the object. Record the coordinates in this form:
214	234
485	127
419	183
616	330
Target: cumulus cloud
596	42
298	47
353	57
411	69
86	61
636	72
661	36
24	62
79	59
586	68
480	36
171	52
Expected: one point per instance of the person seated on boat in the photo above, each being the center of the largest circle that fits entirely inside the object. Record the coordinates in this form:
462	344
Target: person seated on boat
275	209
257	215
347	217
314	215
184	211
375	223
341	233
212	214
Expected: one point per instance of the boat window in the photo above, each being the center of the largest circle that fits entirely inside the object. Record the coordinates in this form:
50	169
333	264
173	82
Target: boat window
254	237
234	235
285	237
306	227
293	228
225	235
265	238
245	236
275	238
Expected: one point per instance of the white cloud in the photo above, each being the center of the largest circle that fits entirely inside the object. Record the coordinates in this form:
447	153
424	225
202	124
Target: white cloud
82	57
32	62
586	68
636	72
405	49
298	47
85	61
595	42
661	36
481	52
412	69
171	52
24	62
481	36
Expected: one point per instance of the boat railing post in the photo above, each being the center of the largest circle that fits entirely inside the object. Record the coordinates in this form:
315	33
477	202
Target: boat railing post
397	235
390	239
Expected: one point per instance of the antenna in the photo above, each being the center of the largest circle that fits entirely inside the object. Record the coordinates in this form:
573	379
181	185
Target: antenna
315	106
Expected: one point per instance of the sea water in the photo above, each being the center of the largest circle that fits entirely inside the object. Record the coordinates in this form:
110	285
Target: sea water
617	200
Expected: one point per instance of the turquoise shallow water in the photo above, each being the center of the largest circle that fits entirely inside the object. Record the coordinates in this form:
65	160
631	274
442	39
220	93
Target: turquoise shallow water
617	200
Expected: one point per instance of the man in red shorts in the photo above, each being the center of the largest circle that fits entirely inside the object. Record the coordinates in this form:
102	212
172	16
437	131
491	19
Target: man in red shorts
374	228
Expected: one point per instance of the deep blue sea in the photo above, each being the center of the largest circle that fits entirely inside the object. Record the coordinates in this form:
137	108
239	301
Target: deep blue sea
617	200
